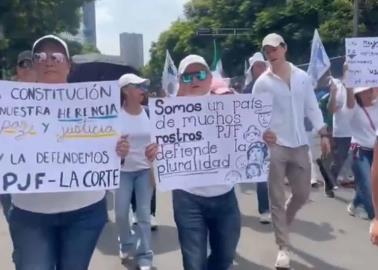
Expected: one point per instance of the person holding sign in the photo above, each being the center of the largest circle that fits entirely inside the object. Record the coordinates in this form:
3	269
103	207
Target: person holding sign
207	212
135	171
293	100
374	180
57	230
364	123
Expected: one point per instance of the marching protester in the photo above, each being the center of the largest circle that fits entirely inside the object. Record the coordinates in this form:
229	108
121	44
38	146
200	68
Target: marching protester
341	130
292	101
207	212
374	183
258	66
135	171
57	230
24	73
364	119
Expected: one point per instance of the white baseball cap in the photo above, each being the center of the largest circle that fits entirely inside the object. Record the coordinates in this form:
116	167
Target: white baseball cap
360	89
52	38
191	59
256	57
130	78
273	40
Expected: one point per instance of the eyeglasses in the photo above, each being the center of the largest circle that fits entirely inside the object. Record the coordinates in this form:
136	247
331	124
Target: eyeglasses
55	57
25	64
188	78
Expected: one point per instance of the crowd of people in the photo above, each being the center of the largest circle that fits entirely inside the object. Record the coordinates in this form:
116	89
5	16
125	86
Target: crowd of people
60	230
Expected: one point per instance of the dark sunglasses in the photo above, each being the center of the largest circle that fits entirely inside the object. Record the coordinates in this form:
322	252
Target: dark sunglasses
188	78
55	57
26	64
141	86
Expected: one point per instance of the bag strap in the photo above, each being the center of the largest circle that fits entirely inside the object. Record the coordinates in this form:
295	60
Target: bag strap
370	121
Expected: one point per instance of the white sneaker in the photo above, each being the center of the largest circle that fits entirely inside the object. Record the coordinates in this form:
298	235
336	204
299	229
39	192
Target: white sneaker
123	255
265	218
357	211
351	210
283	260
154	223
144	267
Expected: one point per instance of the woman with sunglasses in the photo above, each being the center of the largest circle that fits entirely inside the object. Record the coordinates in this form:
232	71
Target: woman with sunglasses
207	212
57	230
135	172
364	122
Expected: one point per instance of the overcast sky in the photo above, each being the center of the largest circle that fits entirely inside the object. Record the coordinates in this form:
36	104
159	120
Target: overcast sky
148	17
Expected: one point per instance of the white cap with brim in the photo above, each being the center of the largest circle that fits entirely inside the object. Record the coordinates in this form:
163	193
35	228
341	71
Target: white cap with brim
360	89
257	57
191	59
273	40
52	38
131	78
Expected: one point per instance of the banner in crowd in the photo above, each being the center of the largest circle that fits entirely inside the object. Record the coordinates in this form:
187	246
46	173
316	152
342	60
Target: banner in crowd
210	140
58	137
362	61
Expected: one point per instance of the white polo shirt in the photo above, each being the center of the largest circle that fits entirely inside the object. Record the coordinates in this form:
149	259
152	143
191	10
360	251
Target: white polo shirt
290	105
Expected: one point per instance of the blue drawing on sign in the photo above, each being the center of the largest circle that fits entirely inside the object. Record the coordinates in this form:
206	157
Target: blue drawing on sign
233	177
257	159
253	170
264	115
252	134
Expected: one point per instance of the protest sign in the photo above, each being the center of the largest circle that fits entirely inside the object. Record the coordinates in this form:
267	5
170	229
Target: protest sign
210	140
58	137
362	61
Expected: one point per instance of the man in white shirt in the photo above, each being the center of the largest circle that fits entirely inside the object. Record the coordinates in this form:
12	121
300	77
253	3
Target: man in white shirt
293	100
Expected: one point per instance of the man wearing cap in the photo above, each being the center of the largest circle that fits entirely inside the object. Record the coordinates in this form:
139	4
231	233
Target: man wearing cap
207	212
293	99
57	230
257	66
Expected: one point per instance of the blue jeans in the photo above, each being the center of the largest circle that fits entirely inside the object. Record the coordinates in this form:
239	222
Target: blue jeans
361	166
6	203
262	197
198	218
140	183
62	241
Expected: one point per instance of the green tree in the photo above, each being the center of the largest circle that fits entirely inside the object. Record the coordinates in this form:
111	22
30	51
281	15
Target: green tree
24	21
295	20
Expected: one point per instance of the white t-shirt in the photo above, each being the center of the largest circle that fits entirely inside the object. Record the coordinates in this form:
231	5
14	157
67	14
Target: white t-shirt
341	118
52	203
362	131
137	127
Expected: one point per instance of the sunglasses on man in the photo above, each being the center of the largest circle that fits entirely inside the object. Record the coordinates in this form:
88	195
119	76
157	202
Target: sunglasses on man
188	78
25	64
55	57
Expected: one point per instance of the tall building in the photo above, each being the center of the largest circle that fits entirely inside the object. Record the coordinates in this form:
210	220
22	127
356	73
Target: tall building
89	23
131	47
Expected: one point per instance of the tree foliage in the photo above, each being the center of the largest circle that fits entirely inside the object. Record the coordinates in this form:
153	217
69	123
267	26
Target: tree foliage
24	21
295	20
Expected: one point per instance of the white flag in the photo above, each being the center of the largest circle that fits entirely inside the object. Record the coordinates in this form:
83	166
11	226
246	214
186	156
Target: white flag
319	62
169	79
